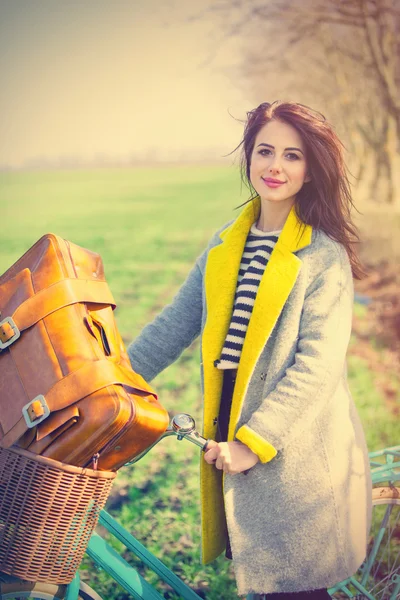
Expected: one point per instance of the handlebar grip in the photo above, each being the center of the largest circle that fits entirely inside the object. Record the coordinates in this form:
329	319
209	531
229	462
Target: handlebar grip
204	448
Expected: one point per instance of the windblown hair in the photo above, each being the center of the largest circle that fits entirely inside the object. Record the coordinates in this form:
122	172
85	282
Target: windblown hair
325	202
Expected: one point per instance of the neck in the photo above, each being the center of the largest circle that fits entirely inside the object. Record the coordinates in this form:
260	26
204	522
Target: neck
273	216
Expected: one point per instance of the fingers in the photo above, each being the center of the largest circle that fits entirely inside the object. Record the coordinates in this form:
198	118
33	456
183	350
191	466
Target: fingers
224	465
224	459
231	457
219	455
219	464
211	444
211	455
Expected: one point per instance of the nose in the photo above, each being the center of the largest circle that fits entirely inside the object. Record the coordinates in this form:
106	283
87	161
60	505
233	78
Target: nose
275	165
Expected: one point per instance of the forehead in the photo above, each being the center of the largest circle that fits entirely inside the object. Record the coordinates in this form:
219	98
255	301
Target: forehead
280	135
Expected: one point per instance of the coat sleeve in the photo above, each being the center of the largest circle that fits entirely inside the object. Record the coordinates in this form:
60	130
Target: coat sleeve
162	341
324	334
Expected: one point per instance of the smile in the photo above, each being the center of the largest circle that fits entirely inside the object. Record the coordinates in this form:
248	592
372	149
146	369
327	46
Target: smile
272	183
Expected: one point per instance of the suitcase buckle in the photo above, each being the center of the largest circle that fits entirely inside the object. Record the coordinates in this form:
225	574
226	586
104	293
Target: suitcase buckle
35	411
16	332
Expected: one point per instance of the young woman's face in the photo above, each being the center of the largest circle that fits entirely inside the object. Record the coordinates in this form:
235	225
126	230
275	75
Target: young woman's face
278	167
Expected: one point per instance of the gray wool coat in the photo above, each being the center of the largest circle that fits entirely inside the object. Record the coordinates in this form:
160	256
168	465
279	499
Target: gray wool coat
300	518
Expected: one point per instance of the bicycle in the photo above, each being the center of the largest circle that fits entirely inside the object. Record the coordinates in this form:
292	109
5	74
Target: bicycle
377	579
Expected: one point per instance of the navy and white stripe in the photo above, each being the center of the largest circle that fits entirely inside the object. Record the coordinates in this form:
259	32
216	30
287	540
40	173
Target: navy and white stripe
256	253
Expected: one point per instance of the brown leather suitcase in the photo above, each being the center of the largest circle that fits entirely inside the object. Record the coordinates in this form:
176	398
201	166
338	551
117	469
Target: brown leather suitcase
67	390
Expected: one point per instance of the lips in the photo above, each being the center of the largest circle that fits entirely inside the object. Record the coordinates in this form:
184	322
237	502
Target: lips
272	183
272	180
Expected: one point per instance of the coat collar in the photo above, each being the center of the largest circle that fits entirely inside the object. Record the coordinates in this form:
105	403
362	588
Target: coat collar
295	235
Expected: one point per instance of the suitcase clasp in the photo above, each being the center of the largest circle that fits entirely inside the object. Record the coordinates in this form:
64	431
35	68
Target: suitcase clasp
9	332
35	411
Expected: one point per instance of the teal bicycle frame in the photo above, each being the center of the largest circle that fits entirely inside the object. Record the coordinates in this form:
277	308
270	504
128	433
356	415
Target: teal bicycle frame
385	467
385	470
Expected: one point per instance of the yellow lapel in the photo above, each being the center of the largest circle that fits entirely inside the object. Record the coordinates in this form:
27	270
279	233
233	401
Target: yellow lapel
277	282
220	286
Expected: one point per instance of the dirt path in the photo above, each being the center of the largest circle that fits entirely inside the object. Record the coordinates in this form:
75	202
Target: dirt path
378	331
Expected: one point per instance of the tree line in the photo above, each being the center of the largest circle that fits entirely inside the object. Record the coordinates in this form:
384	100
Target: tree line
341	57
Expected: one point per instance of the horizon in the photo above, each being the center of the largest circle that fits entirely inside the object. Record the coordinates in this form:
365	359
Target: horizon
89	83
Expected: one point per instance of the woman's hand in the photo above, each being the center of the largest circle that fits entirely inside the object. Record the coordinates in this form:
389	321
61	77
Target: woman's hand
230	457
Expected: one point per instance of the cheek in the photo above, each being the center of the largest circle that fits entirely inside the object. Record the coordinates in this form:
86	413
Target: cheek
299	173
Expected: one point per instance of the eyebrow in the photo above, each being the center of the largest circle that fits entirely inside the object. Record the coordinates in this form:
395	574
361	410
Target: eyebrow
273	147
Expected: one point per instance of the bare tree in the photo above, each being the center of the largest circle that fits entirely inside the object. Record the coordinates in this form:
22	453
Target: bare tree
340	56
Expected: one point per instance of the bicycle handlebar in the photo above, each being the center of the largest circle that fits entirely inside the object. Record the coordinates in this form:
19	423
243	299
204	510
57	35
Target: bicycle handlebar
184	427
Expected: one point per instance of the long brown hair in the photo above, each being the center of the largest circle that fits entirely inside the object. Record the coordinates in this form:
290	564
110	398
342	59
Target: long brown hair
325	202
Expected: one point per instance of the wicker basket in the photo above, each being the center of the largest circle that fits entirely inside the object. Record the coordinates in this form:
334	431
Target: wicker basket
48	511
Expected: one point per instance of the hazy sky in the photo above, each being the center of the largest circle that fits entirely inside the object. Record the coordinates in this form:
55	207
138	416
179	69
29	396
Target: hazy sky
115	78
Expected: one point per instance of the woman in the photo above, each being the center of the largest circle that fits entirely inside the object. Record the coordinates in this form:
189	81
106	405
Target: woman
272	295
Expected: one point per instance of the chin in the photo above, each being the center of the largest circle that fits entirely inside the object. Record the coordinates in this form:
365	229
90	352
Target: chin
275	200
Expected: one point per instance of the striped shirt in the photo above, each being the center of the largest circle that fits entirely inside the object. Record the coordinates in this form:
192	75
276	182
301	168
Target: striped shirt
256	253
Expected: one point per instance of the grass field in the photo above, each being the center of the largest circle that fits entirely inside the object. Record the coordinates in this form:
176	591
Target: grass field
149	224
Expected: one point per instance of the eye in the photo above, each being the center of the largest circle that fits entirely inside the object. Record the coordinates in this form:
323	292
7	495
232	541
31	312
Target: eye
264	151
292	156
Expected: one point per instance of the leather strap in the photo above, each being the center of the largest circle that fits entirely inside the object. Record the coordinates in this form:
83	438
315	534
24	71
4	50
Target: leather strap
58	295
90	378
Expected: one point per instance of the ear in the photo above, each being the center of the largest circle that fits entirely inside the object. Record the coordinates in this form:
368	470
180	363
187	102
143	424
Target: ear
307	178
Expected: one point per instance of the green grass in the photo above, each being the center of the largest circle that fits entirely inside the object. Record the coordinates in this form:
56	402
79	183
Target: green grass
149	225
